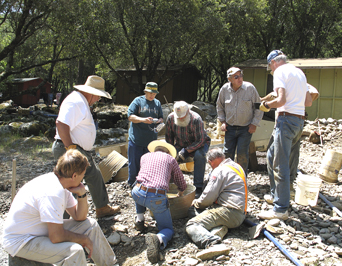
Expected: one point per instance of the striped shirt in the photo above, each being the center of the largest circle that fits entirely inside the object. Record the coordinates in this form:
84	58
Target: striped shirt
192	137
157	169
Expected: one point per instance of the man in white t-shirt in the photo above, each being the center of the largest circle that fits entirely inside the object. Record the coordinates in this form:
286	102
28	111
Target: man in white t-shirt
75	129
35	229
290	86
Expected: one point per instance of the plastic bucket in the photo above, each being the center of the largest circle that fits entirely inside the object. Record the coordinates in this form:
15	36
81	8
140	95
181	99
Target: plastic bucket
307	190
330	167
187	167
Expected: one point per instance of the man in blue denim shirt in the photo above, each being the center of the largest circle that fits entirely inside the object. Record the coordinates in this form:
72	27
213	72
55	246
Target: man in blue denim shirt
290	85
239	117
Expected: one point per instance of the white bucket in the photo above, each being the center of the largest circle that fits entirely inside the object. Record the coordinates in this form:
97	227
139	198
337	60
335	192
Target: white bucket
307	190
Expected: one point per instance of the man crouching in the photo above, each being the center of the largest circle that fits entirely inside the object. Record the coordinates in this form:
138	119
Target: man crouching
226	193
35	228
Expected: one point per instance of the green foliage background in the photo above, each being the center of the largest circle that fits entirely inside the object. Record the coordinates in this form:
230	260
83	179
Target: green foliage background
64	41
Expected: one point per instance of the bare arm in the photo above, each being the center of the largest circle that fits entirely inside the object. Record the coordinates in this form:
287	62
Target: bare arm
80	210
138	119
58	234
308	99
280	100
64	133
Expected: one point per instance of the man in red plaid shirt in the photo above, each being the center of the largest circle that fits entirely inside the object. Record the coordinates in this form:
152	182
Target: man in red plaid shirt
156	170
185	130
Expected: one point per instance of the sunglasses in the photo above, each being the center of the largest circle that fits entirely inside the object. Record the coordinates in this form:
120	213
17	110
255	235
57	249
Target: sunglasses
238	76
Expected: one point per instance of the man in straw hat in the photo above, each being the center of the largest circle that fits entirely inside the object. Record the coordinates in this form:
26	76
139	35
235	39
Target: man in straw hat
185	130
144	113
157	168
75	129
226	195
290	86
35	229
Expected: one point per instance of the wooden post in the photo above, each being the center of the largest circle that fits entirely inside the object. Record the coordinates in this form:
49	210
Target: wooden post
14	173
253	161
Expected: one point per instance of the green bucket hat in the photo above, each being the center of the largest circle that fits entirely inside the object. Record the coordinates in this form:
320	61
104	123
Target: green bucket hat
151	87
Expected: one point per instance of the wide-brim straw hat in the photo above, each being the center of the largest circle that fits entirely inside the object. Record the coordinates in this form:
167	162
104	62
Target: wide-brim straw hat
94	85
153	144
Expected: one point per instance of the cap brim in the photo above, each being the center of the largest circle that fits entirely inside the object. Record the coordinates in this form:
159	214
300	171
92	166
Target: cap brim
152	91
93	91
151	147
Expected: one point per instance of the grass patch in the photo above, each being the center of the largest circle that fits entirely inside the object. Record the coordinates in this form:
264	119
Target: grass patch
33	146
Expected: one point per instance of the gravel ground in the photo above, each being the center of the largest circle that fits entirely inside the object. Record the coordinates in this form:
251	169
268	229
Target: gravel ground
311	234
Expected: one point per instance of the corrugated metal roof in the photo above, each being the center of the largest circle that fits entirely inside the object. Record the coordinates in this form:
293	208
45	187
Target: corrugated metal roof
304	63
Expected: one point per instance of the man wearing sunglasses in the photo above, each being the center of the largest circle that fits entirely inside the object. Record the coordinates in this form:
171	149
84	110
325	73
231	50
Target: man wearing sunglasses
238	116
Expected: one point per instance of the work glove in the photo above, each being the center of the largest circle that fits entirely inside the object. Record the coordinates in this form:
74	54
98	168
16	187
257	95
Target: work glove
70	147
182	155
263	107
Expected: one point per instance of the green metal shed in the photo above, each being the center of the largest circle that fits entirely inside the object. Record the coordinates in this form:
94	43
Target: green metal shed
323	73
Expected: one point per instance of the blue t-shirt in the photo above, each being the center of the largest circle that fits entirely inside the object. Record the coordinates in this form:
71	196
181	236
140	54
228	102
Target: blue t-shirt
142	134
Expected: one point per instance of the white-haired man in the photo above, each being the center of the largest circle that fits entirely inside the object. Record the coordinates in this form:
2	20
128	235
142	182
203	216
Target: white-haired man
290	86
239	117
75	129
226	195
185	130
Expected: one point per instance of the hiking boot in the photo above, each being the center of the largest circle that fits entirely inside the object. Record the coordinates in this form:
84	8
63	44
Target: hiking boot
268	215
107	211
268	198
139	225
153	245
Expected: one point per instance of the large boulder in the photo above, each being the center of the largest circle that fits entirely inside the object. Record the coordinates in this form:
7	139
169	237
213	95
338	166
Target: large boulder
33	128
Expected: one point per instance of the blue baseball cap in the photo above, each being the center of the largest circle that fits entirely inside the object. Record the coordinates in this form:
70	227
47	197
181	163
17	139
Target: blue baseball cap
273	55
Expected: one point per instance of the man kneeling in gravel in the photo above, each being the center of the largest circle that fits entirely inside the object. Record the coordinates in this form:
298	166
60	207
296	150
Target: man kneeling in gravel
156	170
226	194
35	229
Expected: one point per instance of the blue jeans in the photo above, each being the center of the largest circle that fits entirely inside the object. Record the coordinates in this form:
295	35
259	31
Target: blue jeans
238	138
134	153
200	161
159	205
287	134
294	158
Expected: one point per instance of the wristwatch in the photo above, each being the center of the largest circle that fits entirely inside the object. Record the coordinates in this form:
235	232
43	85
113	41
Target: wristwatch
83	196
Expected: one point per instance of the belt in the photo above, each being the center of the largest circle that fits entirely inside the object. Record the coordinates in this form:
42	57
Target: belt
289	114
153	190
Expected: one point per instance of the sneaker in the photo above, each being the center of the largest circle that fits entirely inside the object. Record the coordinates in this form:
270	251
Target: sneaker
268	198
220	231
268	215
139	225
153	246
107	211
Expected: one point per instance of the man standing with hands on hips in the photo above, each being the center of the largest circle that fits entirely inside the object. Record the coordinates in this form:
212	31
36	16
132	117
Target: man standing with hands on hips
239	118
75	129
290	85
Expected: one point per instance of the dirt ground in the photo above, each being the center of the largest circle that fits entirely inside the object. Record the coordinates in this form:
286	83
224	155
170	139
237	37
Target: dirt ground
245	251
